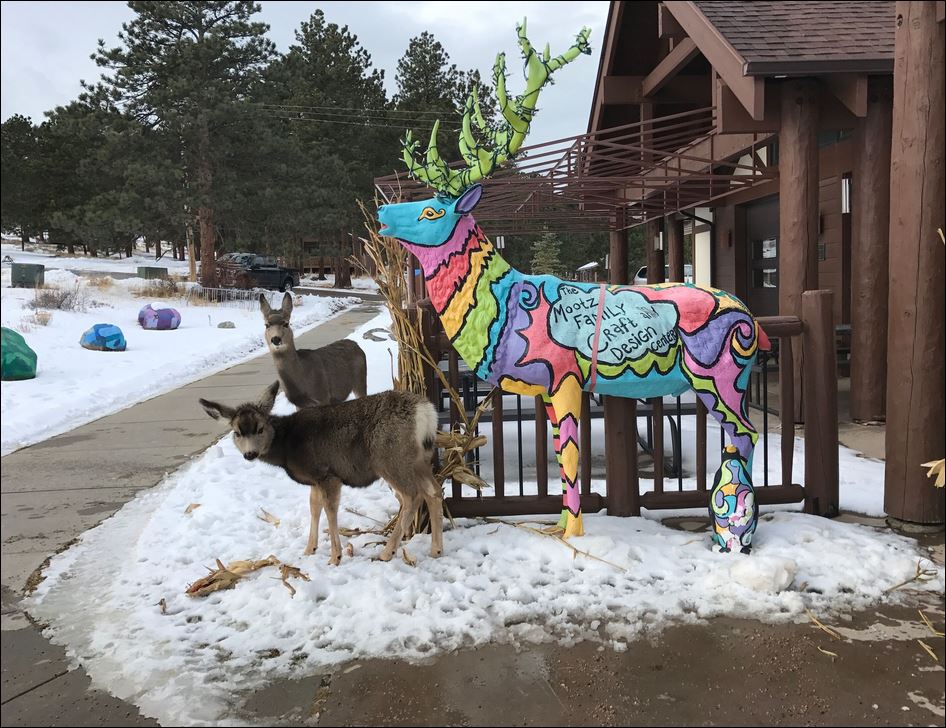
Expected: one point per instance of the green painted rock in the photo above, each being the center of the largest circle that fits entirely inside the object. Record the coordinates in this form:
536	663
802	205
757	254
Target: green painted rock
17	359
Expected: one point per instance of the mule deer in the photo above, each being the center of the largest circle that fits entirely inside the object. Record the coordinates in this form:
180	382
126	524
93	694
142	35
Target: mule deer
388	435
312	376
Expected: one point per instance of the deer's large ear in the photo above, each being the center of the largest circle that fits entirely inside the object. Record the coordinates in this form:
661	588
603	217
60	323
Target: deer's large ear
286	304
268	399
468	200
264	305
217	410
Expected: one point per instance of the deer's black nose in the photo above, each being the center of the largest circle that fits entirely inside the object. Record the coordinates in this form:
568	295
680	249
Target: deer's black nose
251	455
276	340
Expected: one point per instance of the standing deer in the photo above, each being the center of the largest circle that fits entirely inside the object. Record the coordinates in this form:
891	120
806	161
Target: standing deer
540	335
312	376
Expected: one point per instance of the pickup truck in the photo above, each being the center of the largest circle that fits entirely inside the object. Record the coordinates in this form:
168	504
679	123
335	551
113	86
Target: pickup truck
249	270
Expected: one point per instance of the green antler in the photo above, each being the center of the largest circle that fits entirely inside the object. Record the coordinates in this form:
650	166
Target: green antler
503	141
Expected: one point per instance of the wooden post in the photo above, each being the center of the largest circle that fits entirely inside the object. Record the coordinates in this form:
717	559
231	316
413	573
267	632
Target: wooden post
798	205
869	251
655	257
620	413
821	405
915	335
674	230
620	450
499	454
541	448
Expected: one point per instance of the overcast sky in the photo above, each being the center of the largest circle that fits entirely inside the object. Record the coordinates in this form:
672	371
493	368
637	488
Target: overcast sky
46	46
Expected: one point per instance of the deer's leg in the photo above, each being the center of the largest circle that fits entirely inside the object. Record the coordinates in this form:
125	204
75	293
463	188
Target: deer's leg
333	493
433	497
564	411
409	506
315	511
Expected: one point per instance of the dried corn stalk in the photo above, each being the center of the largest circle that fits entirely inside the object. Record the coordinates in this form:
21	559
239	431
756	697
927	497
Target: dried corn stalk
225	577
388	262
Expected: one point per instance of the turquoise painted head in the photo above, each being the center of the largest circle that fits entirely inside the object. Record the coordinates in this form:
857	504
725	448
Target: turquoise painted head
428	223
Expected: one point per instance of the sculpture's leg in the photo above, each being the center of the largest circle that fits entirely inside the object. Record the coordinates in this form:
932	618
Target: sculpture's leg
566	403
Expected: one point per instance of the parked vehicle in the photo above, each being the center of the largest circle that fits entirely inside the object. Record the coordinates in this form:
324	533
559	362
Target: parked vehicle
249	270
640	278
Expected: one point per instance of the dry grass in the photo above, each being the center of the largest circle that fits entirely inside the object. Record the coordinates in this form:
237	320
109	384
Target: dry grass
101	282
157	288
55	298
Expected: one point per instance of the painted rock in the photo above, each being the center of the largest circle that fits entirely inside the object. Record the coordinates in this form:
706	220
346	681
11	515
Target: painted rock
18	360
161	319
103	337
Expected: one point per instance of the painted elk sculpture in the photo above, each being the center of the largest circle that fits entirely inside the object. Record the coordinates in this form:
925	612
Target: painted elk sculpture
540	335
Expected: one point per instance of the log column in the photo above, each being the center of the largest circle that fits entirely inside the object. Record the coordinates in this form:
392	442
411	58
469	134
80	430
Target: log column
915	330
869	251
674	232
798	205
655	257
620	413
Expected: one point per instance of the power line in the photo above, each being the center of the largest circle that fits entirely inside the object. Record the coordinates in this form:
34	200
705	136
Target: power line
349	110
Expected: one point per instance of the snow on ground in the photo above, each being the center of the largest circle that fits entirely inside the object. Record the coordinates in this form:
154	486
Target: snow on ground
74	386
362	283
113	264
494	583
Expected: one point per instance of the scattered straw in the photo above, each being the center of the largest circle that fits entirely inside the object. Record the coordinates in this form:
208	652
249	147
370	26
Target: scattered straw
192	507
164	605
821	626
928	623
928	650
555	535
921	575
286	571
269	518
829	653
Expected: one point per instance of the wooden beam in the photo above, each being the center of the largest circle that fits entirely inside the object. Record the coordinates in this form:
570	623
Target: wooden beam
850	90
619	90
869	252
722	56
732	117
626	90
669	67
916	429
798	205
667	25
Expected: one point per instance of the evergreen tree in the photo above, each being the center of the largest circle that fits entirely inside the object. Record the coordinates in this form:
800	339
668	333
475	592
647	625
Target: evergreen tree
23	198
428	88
546	256
183	68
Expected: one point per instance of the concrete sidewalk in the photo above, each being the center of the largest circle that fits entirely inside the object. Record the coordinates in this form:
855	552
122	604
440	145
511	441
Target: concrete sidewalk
55	490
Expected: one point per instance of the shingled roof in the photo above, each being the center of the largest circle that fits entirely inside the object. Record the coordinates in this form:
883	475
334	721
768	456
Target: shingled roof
807	37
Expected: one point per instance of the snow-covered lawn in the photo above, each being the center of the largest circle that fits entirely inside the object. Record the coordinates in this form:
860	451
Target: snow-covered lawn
74	386
494	583
113	264
361	283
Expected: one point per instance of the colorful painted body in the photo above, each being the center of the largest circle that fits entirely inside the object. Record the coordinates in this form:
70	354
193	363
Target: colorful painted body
732	505
534	334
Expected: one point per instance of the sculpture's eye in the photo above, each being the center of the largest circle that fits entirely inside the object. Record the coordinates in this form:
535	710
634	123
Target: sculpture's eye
430	213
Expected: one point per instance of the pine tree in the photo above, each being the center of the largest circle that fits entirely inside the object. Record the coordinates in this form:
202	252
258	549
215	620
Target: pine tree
23	198
546	256
428	88
184	68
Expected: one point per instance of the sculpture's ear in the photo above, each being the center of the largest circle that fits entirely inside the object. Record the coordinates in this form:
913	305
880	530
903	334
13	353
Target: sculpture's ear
468	200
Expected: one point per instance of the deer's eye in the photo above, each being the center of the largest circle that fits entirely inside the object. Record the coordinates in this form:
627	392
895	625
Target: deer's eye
259	431
430	213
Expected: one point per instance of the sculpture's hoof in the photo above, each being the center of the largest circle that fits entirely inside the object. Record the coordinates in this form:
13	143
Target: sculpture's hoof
745	550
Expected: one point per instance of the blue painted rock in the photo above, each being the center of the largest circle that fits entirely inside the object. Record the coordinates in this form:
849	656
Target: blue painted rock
17	359
103	337
161	319
733	505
